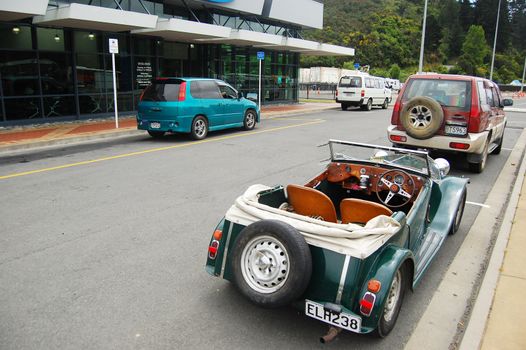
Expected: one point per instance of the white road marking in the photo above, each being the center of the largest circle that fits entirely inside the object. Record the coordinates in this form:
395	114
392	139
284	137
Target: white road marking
507	149
479	204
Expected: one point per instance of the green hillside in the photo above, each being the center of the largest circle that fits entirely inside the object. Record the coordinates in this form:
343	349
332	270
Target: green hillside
459	36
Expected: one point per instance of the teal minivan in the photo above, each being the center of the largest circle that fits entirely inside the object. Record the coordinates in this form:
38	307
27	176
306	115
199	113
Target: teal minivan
195	106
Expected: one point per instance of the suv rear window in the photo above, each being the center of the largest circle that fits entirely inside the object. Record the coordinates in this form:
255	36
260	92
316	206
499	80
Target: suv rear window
351	82
449	93
162	91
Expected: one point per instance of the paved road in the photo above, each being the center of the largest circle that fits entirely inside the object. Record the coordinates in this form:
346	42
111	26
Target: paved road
102	246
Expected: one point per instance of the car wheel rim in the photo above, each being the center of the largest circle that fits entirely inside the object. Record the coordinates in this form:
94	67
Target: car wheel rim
420	117
265	264
200	127
250	121
393	297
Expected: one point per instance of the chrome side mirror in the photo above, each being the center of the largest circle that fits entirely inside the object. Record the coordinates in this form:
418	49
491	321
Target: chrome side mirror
443	166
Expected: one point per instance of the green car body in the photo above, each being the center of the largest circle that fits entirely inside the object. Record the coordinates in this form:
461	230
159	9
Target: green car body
339	282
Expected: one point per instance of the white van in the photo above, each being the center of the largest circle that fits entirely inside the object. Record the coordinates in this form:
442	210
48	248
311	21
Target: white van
394	84
362	90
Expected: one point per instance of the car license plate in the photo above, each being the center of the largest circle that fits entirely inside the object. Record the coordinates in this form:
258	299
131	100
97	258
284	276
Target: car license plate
456	130
155	125
342	320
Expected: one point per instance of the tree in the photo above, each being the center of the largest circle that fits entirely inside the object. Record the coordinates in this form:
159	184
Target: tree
394	71
474	51
486	16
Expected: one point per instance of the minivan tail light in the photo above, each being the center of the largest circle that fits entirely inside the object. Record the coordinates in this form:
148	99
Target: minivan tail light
363	93
182	92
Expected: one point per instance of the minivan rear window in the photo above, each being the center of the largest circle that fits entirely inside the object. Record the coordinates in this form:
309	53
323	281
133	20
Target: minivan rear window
449	93
162	91
350	82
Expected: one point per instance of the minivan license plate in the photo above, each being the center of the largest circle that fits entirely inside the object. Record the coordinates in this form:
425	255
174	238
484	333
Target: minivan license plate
456	130
343	320
155	125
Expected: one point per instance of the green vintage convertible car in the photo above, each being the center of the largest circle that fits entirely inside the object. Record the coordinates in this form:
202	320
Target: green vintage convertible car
345	246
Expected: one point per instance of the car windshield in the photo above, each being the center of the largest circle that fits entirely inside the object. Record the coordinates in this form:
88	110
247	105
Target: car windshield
415	161
449	93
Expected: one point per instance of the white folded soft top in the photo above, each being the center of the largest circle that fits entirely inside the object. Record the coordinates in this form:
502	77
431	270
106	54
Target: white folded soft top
349	239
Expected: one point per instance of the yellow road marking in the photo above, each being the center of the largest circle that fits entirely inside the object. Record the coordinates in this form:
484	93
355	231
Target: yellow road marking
316	121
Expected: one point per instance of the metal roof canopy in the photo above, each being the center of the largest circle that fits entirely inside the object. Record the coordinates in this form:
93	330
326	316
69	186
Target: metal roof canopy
12	10
176	29
242	37
96	18
329	50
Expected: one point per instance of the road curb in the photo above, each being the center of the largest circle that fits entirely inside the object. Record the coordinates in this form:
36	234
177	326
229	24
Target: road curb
479	317
33	145
452	302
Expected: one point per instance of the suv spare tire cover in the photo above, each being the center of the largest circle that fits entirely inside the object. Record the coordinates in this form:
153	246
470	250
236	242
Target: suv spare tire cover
271	263
421	117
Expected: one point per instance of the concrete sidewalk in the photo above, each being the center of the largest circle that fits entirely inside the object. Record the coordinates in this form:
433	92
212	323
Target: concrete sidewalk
498	319
41	135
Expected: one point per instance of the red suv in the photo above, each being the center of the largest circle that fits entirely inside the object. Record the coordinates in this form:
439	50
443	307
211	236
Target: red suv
450	112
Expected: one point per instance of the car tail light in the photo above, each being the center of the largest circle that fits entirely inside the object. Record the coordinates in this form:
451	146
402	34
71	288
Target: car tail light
458	145
396	107
212	249
398	138
367	303
363	93
142	94
182	92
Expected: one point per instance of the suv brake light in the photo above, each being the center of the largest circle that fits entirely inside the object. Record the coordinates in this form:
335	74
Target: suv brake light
182	92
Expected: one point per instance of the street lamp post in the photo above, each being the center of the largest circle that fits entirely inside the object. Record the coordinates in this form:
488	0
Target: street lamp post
523	71
421	61
494	43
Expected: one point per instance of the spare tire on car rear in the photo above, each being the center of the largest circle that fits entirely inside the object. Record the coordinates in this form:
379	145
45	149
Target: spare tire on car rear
271	263
421	117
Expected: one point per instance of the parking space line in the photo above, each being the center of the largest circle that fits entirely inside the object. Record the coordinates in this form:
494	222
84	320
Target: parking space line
478	204
187	144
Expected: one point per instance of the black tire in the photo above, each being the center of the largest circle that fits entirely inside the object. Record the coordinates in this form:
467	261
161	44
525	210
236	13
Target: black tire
499	145
368	106
386	104
421	117
282	257
459	213
249	121
386	324
344	106
156	134
199	128
479	166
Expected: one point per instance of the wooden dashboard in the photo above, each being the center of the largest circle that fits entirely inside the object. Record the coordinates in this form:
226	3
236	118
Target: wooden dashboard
366	178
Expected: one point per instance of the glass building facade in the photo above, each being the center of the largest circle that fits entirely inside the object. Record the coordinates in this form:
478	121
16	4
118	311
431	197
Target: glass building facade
62	73
50	73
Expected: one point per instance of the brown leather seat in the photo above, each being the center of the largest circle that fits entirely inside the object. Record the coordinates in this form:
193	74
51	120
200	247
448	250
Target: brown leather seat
360	211
310	202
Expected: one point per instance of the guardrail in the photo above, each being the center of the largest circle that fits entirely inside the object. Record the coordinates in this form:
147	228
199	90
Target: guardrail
317	91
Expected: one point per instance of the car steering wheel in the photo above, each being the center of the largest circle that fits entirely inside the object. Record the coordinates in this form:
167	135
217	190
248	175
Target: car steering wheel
395	189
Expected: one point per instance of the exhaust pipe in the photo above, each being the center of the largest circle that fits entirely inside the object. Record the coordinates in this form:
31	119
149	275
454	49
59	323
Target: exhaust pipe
331	334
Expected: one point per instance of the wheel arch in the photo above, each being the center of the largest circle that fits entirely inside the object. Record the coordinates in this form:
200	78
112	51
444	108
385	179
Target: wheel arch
255	111
390	260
